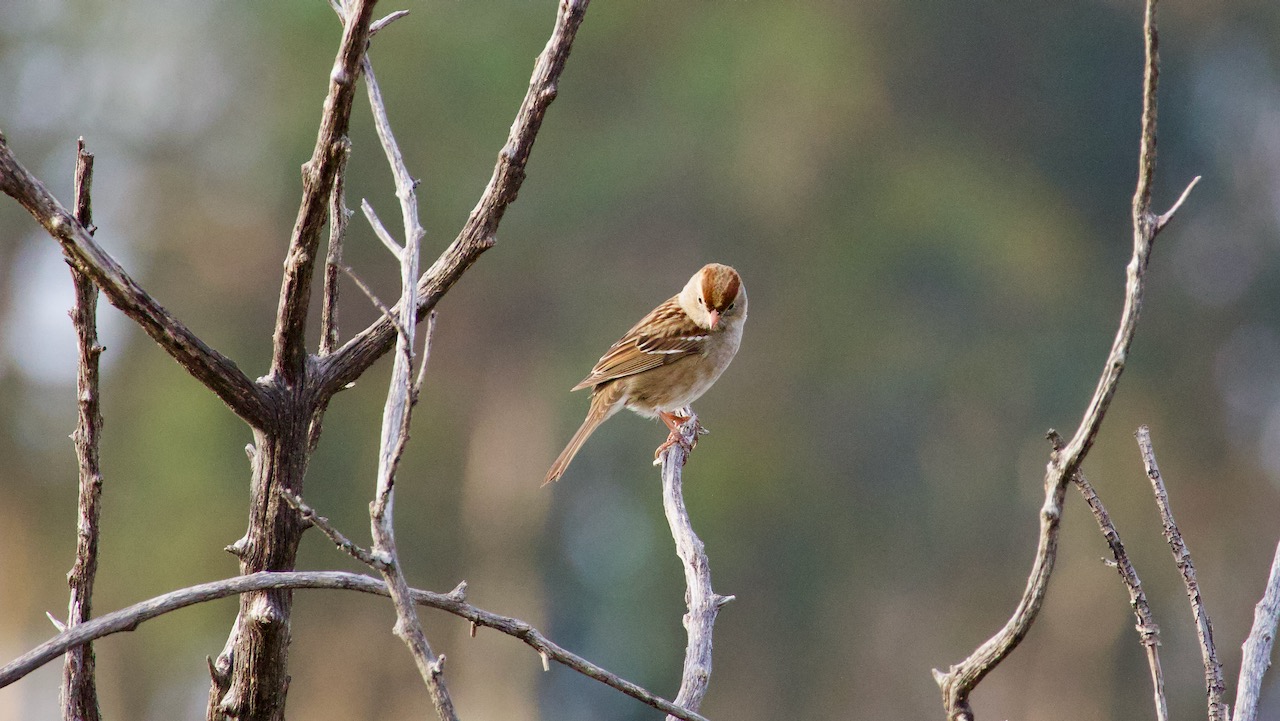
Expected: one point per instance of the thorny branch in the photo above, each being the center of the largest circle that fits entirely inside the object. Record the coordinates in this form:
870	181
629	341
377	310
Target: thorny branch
128	619
79	686
1214	687
959	681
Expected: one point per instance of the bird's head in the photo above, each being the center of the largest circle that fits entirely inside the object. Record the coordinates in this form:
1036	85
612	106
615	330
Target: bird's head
715	297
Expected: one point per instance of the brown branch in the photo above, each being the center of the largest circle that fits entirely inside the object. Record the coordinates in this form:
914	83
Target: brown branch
480	231
959	681
1257	647
1214	687
397	413
338	217
79	688
702	601
128	619
288	360
1148	631
207	365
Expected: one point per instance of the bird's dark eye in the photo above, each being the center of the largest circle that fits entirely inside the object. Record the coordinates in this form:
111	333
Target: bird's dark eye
731	305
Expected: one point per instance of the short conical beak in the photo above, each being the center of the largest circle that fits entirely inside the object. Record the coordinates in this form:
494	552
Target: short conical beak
715	318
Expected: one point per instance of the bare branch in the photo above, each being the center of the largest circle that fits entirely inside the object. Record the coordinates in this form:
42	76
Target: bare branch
397	413
426	356
208	366
128	619
1214	687
1164	219
79	686
959	681
1257	647
379	229
318	173
1148	631
703	602
344	544
480	230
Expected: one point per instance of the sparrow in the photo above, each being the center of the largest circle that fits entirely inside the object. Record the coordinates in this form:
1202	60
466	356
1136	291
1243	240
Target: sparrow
668	359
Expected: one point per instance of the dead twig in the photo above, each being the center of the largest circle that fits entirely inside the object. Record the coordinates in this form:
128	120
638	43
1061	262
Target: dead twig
79	686
1148	631
1214	687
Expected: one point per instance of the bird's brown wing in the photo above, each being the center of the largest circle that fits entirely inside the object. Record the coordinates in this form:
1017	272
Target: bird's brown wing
663	336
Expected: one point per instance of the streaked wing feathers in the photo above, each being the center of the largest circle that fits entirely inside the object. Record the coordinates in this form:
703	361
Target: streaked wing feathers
663	336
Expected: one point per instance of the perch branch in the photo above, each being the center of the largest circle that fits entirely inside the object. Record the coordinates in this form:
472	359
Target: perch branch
703	602
344	544
1257	647
959	681
207	365
479	233
1214	687
79	687
397	413
338	217
128	619
1148	631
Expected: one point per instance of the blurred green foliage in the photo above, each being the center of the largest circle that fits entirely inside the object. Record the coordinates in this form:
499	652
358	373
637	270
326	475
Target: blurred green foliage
929	202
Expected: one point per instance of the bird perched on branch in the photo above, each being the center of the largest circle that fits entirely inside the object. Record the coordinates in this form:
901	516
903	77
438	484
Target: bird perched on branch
669	359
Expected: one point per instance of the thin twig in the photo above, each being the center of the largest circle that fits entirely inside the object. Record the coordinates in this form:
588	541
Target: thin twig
959	681
397	413
480	231
428	337
207	365
1257	647
702	601
368	293
128	619
1148	631
344	544
1214	686
79	687
379	229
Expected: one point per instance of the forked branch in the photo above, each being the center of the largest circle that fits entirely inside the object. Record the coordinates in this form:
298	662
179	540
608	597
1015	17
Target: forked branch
959	681
479	233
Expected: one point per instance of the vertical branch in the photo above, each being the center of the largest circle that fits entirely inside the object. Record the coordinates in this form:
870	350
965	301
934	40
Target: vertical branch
79	688
1257	647
960	680
396	417
338	216
1214	687
703	602
1148	631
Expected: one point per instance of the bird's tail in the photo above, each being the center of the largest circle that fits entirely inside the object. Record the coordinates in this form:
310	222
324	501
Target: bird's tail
604	403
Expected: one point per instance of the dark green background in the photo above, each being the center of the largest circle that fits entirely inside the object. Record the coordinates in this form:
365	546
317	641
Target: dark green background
930	205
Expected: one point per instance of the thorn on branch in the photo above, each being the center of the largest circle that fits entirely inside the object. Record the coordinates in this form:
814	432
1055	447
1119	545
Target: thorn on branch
1163	220
546	661
459	593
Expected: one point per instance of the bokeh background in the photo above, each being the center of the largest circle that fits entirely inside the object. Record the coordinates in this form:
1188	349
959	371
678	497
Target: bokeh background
929	203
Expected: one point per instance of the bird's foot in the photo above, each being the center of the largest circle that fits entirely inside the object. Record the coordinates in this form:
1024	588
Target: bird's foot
673	421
